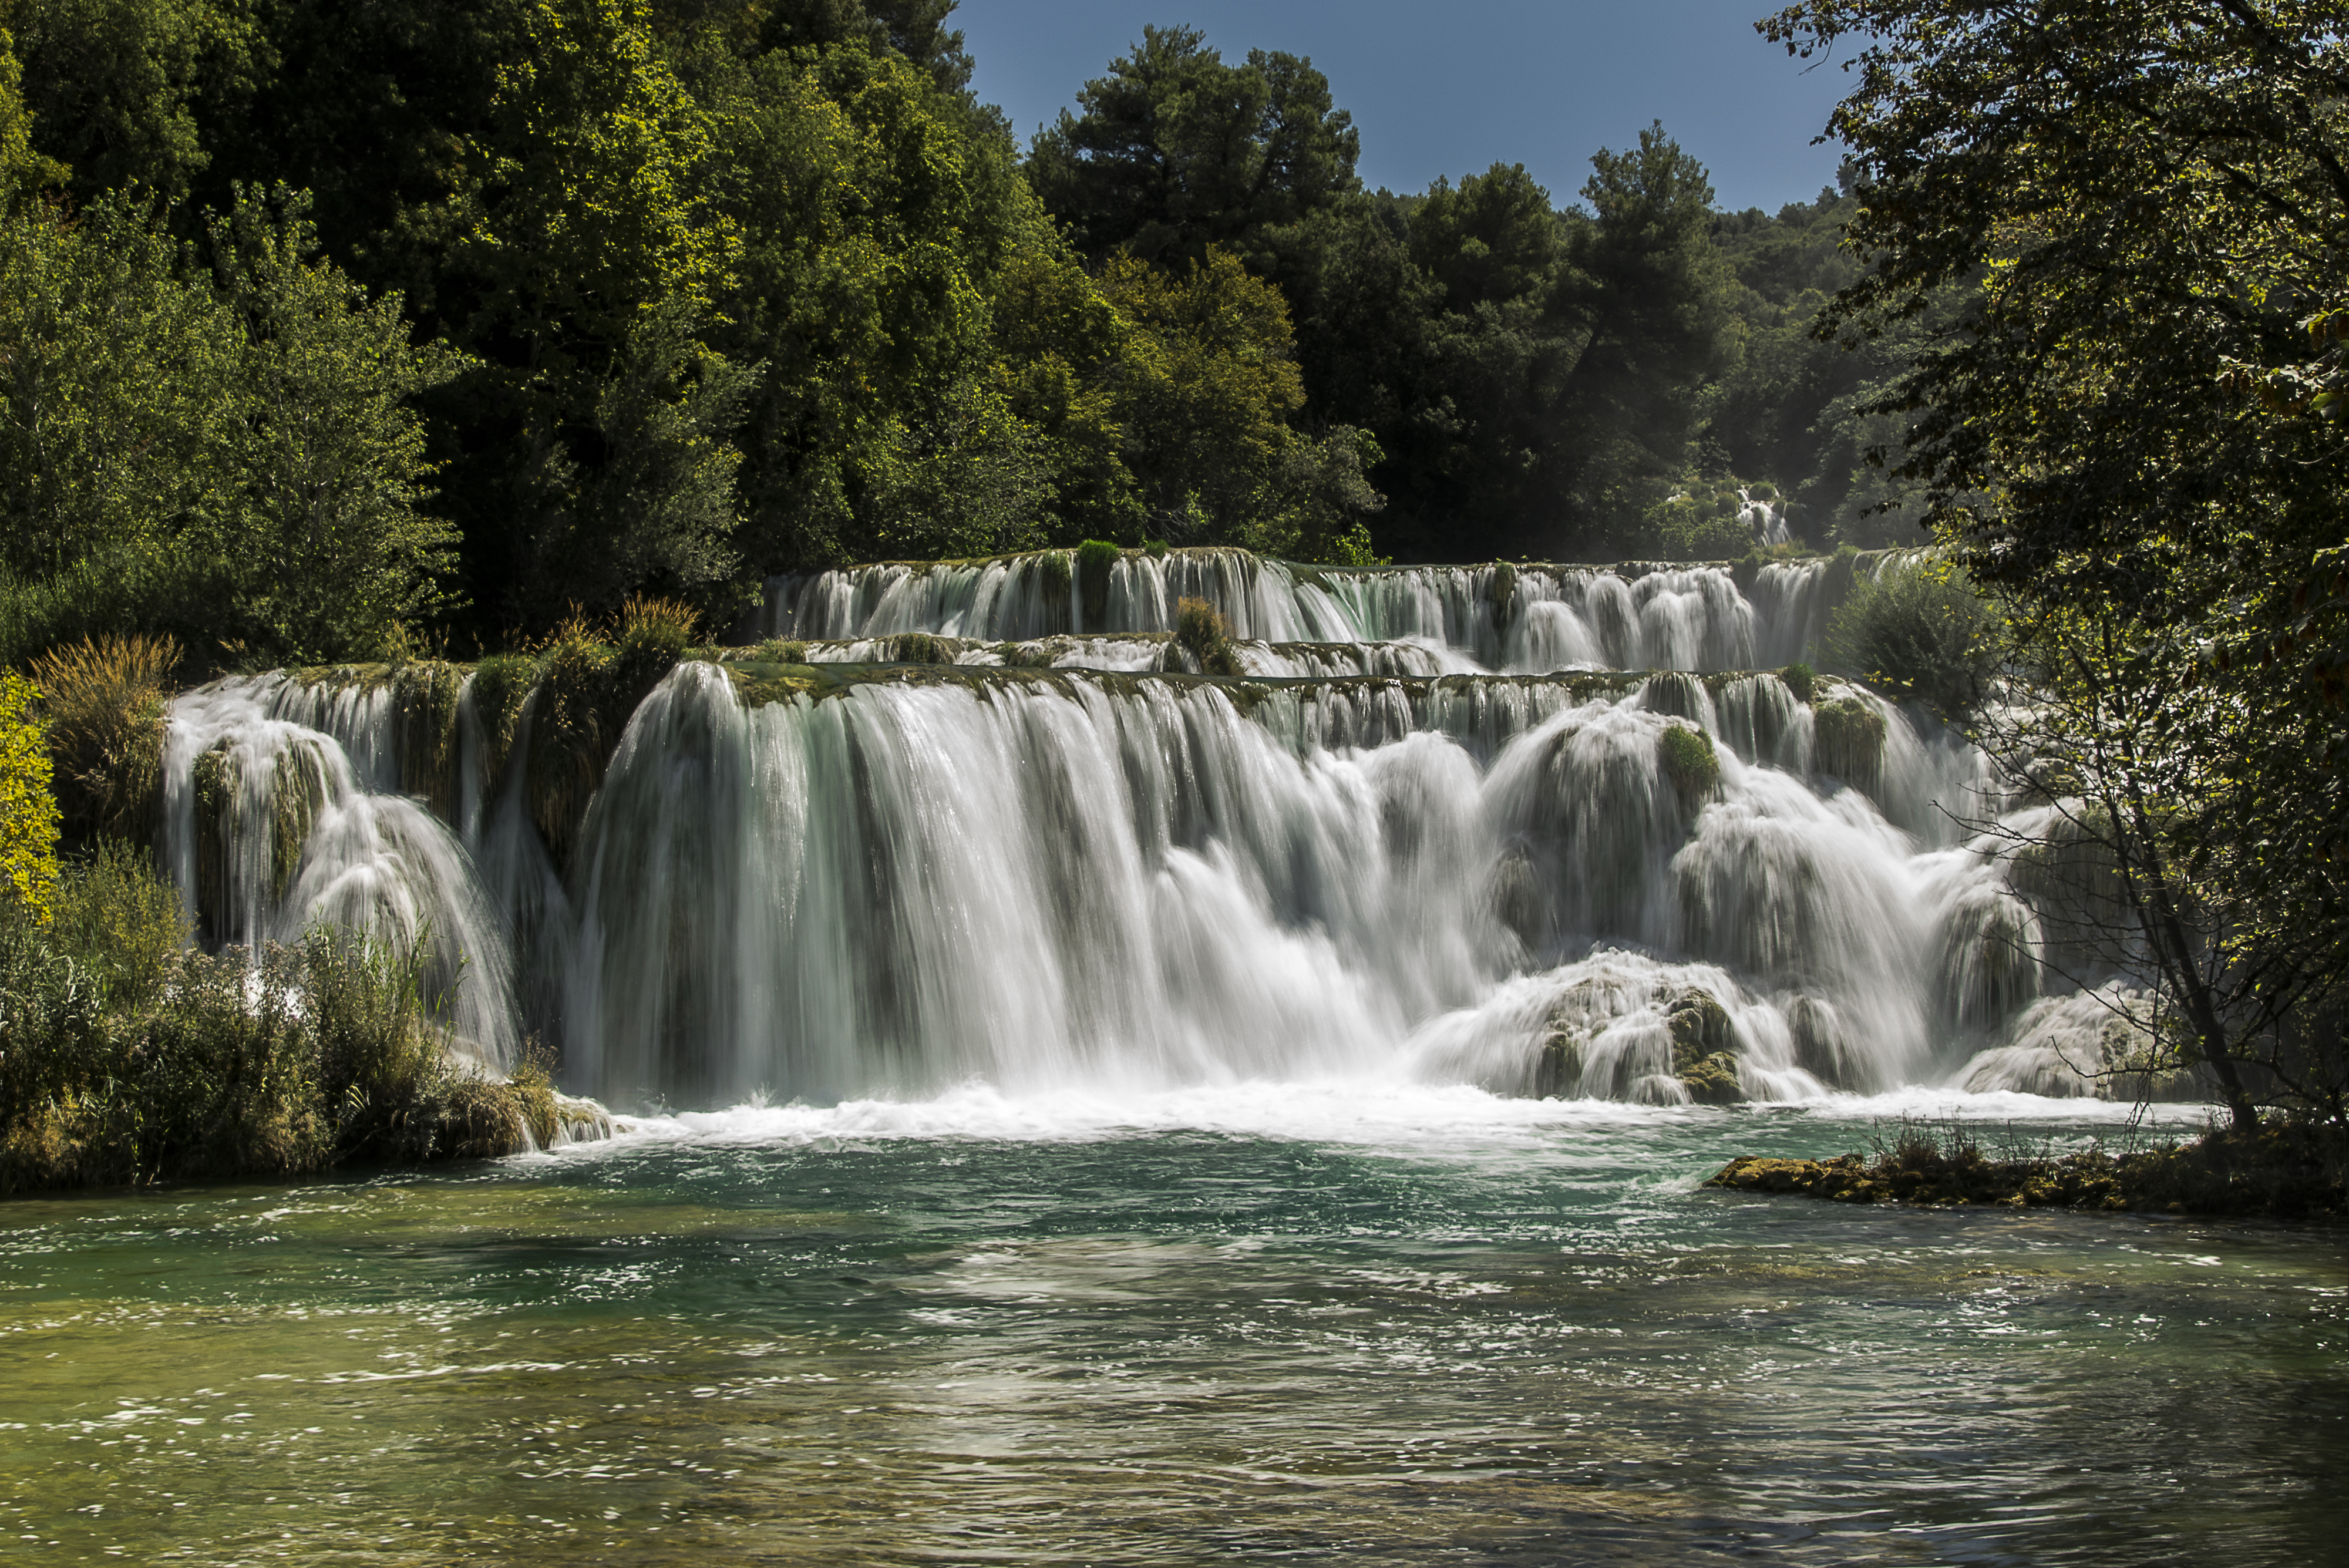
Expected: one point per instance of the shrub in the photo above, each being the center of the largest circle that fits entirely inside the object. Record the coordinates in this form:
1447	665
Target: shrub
1697	526
1689	760
132	1058
1095	559
28	810
779	651
654	635
106	699
1199	628
1799	679
1920	631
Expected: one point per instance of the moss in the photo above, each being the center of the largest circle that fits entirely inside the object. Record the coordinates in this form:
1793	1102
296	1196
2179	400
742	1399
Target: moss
1199	627
1847	742
1155	548
920	647
105	701
501	687
779	651
424	718
1687	756
1799	679
1096	558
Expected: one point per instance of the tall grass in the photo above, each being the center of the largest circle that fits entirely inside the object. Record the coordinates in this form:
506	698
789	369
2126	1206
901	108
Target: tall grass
106	699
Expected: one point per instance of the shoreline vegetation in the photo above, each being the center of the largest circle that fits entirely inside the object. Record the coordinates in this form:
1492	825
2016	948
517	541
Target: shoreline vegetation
2283	1168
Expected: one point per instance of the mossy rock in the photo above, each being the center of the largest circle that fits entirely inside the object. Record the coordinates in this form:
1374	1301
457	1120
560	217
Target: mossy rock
1516	898
424	717
920	647
1557	1070
1096	560
1502	590
1847	742
216	778
1704	1048
298	793
1800	680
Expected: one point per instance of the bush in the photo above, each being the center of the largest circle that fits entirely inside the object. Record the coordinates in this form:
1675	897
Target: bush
779	651
106	699
28	810
1199	628
654	635
1689	760
1920	631
1799	679
129	1058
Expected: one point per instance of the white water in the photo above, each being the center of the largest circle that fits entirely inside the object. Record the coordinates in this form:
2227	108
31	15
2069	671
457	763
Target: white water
1524	618
1134	888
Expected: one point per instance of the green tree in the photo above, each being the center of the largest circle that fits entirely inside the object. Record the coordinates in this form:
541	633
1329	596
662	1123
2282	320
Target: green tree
1175	151
23	172
2131	428
114	87
1654	288
603	248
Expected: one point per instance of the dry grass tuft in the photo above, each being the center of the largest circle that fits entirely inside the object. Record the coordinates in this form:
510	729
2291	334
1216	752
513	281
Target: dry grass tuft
107	698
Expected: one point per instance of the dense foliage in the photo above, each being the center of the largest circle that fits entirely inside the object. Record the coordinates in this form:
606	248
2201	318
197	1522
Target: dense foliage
329	324
2111	234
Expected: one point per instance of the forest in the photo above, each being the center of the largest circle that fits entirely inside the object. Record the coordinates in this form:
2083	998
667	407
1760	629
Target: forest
336	333
333	325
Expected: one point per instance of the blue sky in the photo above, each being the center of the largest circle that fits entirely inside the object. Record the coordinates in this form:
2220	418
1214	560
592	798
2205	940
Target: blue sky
1451	89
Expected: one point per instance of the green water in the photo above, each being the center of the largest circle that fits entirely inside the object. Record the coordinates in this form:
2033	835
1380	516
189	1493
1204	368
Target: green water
1450	1331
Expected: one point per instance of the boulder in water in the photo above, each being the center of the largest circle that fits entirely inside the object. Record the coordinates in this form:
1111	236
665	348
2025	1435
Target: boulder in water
1704	1049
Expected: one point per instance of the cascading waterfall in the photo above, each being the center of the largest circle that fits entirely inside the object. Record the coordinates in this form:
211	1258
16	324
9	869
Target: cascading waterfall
1499	617
1052	856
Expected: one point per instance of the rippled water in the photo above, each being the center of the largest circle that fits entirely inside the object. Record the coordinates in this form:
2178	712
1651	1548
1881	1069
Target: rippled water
1253	1324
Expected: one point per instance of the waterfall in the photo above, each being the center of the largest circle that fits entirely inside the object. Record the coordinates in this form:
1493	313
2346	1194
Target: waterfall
1498	618
1545	830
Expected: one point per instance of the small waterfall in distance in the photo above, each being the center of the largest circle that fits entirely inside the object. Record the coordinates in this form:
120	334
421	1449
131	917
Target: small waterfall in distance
1444	832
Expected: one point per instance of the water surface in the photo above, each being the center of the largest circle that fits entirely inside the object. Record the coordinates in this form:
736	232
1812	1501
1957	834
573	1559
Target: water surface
1256	1323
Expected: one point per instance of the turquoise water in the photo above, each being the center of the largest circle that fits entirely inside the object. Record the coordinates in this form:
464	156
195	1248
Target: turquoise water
1243	1325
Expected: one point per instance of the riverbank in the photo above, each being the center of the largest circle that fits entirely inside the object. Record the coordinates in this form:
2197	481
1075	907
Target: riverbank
2283	1171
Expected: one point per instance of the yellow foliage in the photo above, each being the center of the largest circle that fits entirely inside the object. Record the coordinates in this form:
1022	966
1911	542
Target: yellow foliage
28	810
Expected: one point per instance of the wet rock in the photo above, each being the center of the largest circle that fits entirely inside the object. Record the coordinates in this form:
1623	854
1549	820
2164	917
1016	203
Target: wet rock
1704	1049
